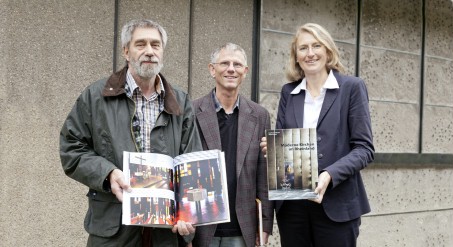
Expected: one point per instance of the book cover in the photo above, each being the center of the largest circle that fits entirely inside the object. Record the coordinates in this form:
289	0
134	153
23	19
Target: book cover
292	163
191	187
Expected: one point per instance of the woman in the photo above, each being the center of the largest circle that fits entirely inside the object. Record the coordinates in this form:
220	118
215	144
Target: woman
321	97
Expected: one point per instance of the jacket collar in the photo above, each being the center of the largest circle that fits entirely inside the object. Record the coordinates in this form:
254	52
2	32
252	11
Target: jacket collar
117	81
330	83
248	119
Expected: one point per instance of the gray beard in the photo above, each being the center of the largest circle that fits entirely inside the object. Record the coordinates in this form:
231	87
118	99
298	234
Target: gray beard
145	71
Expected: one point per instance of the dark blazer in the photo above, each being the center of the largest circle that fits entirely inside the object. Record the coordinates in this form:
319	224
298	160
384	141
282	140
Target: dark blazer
345	142
251	169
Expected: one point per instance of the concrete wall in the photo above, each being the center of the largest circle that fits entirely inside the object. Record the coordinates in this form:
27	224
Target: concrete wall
50	50
411	105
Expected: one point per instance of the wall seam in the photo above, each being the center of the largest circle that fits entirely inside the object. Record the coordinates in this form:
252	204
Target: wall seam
357	52
189	65
409	212
422	75
256	51
115	35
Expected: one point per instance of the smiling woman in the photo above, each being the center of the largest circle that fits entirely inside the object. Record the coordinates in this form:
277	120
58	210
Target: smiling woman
316	34
321	97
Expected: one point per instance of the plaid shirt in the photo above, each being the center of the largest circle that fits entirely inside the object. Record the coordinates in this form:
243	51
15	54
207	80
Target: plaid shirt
218	105
146	111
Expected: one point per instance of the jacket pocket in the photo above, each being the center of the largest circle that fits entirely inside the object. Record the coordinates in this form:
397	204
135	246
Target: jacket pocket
103	217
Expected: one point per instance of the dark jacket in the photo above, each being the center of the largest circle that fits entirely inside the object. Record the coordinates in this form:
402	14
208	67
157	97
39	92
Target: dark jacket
99	128
345	142
251	168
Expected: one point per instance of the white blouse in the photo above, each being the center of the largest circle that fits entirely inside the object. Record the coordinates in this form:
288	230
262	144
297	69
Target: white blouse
312	106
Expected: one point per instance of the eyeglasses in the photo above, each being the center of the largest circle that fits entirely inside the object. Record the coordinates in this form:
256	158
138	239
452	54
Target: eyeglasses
226	64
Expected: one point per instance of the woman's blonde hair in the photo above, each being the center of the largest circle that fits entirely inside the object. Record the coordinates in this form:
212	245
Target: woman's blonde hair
293	70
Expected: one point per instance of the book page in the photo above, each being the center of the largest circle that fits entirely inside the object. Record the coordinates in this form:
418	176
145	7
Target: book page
152	200
201	188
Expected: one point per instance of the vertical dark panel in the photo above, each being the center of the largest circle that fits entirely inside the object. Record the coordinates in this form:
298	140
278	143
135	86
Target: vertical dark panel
189	60
256	51
115	34
422	77
357	52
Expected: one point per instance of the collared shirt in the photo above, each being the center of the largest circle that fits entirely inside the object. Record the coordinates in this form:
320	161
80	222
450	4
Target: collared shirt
218	105
312	106
146	111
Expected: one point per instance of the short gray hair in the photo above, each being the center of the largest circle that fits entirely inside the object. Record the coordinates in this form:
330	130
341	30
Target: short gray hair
228	46
129	28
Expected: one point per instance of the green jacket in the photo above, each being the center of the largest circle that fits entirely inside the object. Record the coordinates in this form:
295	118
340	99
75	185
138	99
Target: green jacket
99	128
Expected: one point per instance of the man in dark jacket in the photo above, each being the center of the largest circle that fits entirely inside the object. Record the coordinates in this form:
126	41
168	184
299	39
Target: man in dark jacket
235	124
136	110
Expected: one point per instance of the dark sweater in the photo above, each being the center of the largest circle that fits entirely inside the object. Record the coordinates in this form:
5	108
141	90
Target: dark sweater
228	126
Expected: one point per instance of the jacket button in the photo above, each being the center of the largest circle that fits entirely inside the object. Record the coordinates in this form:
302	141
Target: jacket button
318	139
320	156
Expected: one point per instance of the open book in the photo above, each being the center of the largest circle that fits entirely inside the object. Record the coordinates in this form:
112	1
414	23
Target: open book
292	163
191	187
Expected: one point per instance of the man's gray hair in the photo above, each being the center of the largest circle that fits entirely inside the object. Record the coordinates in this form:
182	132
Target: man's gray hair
228	46
129	28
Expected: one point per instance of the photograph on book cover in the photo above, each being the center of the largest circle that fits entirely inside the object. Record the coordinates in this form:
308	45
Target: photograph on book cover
292	163
191	187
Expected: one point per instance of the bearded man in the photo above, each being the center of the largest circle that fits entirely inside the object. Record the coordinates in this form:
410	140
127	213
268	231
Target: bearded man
136	110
